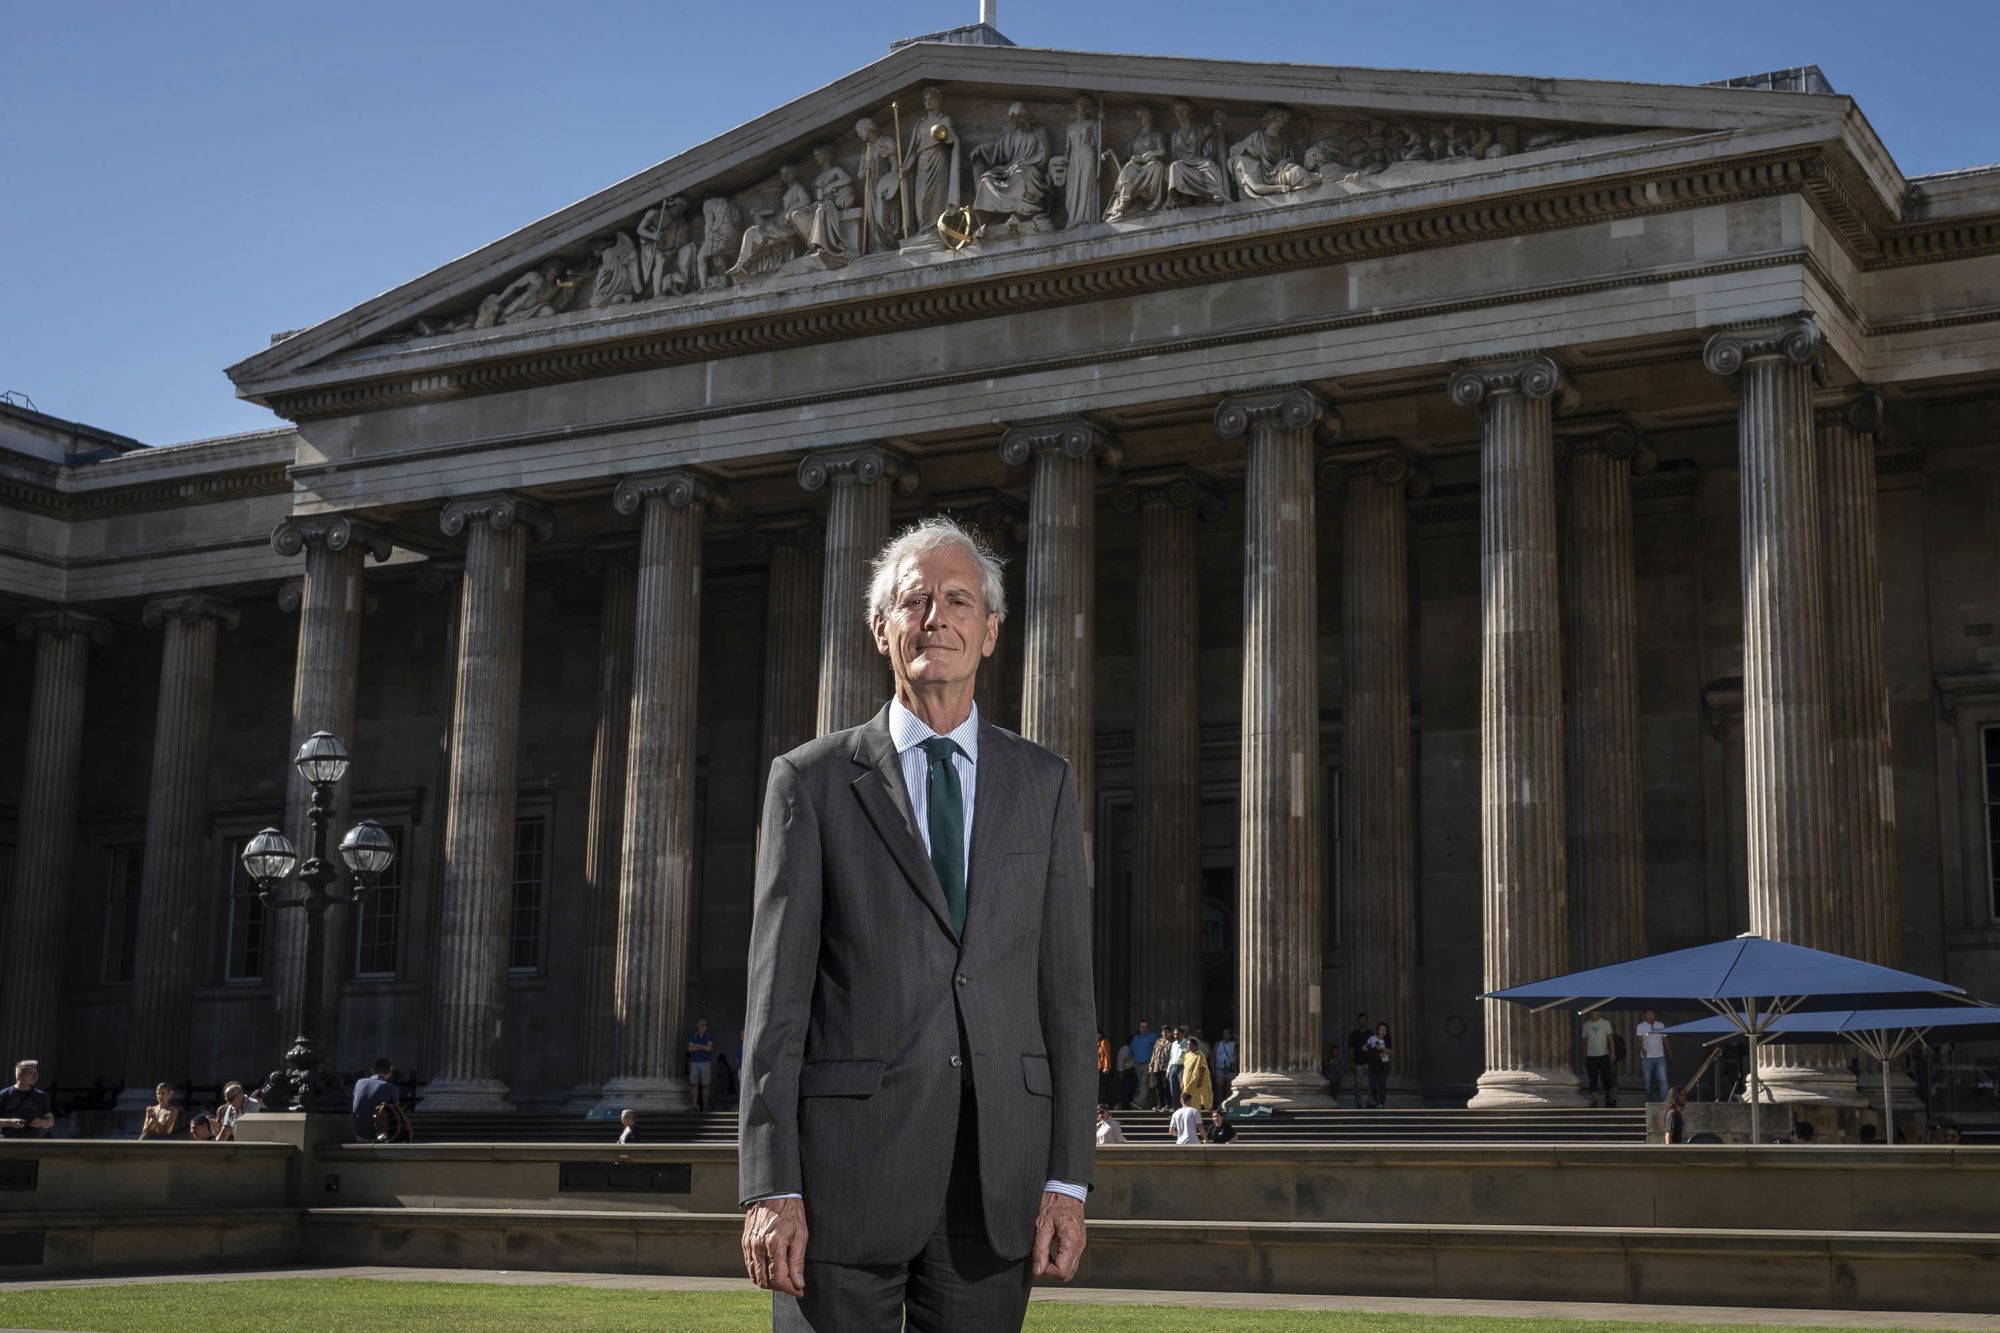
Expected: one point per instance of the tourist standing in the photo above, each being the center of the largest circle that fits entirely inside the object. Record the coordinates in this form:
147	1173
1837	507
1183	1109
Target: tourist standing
378	1089
1225	1063
1105	1090
1377	1052
1186	1125
1653	1050
1676	1121
25	1110
701	1063
1597	1061
1128	1076
1176	1054
1156	1069
1143	1042
1357	1056
1197	1080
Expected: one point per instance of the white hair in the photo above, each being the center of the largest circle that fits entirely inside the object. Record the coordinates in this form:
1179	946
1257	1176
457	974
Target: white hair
934	532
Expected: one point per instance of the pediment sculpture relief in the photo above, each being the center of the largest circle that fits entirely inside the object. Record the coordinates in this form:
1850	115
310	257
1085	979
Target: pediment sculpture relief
914	178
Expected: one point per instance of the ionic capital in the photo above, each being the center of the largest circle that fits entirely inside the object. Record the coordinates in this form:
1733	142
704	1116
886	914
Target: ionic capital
499	511
676	490
190	609
61	622
1384	465
1171	487
335	532
1798	341
1860	410
1619	441
604	557
1072	437
1473	387
1292	407
857	465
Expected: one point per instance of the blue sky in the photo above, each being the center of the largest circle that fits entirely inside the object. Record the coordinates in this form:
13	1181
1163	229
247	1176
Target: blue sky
177	182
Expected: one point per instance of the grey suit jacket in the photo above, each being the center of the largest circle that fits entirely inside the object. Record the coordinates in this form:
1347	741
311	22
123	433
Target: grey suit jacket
862	1002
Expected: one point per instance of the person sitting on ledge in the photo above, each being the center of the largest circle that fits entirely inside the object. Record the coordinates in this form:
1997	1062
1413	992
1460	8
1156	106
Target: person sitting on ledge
1869	1135
376	1090
162	1117
202	1128
1802	1132
630	1119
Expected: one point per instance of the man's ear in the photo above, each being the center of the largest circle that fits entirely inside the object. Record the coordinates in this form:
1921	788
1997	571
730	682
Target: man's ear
880	625
992	634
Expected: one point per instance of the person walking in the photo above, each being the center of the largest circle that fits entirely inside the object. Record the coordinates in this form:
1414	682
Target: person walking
1357	1056
1197	1080
1653	1051
1156	1069
1377	1052
1676	1121
915	1135
1597	1059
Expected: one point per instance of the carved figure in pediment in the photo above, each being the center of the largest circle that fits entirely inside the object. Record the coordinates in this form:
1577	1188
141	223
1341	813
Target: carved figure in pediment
667	249
1262	166
1350	154
774	236
931	165
879	185
721	238
1080	169
1195	171
1015	185
536	294
1141	186
833	193
617	280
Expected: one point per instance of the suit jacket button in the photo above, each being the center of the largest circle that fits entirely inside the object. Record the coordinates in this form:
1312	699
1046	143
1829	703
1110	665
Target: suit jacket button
962	978
956	1062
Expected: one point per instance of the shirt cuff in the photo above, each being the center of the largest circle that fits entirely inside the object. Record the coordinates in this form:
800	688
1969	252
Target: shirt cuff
761	1198
1064	1187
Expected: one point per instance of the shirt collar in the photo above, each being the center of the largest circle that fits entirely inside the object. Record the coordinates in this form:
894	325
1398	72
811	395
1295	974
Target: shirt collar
906	729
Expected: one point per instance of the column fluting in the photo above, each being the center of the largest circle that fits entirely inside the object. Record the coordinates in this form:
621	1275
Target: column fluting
44	857
1788	765
160	1029
792	597
1278	865
656	863
1377	899
853	675
1523	891
469	988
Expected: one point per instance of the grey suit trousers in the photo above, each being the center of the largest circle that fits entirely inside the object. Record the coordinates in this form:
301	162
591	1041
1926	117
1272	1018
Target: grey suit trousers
955	1284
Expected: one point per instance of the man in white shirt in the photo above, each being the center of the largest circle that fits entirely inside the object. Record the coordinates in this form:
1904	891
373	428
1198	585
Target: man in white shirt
1108	1128
1174	1067
235	1103
1187	1124
1597	1061
1652	1034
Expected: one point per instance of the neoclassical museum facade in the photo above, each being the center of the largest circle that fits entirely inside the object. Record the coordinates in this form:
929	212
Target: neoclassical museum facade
1458	527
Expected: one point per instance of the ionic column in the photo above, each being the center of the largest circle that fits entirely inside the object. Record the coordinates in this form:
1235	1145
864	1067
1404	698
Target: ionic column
1520	730
791	633
1378	874
45	855
1164	946
470	986
656	863
329	604
1058	608
853	676
1279	879
172	883
1604	812
616	564
1864	799
1788	768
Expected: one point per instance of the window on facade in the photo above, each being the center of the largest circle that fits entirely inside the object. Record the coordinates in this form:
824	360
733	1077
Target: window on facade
1990	740
380	919
123	865
531	860
243	959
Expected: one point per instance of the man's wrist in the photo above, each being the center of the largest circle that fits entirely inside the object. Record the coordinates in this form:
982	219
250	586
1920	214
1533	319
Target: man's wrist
1068	1189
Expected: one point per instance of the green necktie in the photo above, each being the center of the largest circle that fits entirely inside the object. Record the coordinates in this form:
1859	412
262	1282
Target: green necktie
945	813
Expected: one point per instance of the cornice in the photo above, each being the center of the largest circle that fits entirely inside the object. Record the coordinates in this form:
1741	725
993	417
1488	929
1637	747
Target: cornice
66	503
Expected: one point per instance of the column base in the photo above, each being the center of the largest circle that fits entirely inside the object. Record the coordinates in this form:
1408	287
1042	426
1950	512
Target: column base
1279	1089
583	1100
643	1094
1804	1085
1525	1090
487	1095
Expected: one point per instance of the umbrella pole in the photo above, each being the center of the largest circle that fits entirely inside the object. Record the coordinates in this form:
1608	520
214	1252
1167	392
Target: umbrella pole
1753	1088
1888	1115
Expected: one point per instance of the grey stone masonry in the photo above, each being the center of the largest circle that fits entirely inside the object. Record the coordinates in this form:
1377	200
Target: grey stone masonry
323	683
1058	606
469	987
1164	947
1279	879
656	863
157	1041
797	553
39	901
1377	905
853	675
1520	729
1788	764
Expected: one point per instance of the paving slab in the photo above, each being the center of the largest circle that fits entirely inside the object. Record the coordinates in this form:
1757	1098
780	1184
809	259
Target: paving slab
1226	1300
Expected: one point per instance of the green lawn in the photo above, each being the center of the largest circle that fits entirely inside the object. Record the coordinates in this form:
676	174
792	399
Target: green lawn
364	1305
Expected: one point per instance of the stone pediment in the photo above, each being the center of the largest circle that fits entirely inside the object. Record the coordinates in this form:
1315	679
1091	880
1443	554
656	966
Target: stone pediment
940	154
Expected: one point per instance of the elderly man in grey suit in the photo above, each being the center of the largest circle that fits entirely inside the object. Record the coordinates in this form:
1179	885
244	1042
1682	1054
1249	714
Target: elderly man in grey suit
918	1073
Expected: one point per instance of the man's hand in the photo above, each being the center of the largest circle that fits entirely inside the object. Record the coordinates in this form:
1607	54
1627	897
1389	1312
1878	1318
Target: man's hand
774	1245
1058	1237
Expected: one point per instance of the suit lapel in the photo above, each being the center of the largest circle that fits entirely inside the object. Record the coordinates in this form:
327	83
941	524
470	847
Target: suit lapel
887	804
992	821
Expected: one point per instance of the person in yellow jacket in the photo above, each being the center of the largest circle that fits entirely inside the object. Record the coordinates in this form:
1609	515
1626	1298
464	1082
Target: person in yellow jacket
1196	1080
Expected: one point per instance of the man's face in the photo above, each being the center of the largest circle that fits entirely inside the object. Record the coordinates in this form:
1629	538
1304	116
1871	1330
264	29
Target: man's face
1144	1026
28	1077
938	628
1649	1016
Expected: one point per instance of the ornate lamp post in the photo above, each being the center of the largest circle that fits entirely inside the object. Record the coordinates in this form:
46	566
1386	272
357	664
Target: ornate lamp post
304	1084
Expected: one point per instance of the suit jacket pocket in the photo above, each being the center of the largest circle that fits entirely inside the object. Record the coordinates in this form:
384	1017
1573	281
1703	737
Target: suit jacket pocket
840	1078
1035	1070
